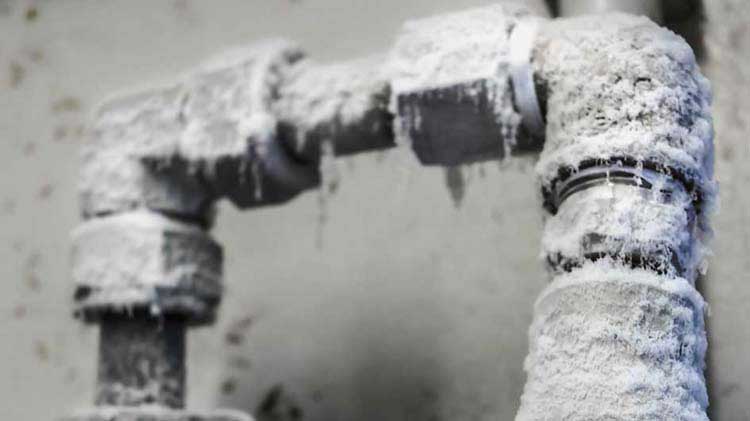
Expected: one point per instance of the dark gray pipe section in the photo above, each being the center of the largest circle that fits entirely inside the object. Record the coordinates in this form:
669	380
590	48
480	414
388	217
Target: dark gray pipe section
141	360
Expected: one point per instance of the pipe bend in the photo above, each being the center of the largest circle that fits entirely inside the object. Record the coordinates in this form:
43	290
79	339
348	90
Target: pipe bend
621	87
624	96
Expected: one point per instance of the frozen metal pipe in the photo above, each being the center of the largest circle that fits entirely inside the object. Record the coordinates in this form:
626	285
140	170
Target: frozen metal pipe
627	177
626	173
252	125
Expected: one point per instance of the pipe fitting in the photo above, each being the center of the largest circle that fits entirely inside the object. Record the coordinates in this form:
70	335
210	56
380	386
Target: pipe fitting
611	342
622	88
130	160
452	95
148	261
344	105
231	132
626	104
626	174
639	216
627	178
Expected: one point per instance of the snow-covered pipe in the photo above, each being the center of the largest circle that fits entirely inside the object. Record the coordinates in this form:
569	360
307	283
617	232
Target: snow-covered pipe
626	173
252	125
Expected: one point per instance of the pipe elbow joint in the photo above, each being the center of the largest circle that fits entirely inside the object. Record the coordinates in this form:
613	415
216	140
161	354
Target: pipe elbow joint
212	134
625	105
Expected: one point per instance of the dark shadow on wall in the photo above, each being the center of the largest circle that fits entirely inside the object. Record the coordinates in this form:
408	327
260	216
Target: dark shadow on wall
398	380
391	370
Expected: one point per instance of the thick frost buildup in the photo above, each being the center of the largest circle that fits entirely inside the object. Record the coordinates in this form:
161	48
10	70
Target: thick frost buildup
129	140
612	343
225	95
213	134
632	223
619	333
147	260
454	68
454	48
345	104
621	86
621	89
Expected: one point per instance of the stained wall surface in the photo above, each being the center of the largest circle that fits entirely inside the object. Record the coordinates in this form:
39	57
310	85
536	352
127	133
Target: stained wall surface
383	300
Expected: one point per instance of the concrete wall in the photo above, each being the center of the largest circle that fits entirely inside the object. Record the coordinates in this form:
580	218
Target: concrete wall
384	301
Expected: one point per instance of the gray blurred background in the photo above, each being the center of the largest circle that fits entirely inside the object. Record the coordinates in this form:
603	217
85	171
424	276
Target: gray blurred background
381	301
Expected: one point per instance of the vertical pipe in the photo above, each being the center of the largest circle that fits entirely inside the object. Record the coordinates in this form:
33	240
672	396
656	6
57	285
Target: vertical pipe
141	360
627	177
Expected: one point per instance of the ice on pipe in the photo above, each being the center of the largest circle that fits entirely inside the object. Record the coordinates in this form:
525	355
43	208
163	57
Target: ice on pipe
154	413
454	67
145	259
345	104
452	48
610	342
124	132
621	86
225	94
626	221
177	148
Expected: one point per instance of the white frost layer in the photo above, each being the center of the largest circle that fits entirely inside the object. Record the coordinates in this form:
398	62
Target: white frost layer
328	102
122	133
622	220
213	113
613	343
453	48
228	96
621	86
457	50
144	259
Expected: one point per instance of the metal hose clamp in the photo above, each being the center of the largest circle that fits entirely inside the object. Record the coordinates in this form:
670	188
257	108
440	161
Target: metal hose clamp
602	175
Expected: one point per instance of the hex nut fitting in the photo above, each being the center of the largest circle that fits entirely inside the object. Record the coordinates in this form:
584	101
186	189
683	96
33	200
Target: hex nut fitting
130	160
454	68
231	132
145	260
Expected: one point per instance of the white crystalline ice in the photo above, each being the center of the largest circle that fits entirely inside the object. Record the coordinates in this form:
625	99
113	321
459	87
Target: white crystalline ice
132	258
610	342
621	86
457	48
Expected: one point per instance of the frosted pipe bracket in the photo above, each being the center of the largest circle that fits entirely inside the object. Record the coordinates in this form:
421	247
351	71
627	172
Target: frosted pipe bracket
522	39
